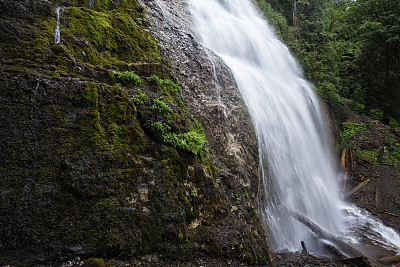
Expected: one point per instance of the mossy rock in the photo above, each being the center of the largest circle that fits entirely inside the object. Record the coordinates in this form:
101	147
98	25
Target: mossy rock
95	262
84	172
111	38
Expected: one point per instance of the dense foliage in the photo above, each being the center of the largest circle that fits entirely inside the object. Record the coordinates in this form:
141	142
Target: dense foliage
348	49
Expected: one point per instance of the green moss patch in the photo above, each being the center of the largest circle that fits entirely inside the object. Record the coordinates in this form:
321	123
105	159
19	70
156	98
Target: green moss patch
95	167
108	38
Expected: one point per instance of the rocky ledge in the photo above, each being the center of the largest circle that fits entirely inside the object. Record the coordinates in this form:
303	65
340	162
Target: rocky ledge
119	142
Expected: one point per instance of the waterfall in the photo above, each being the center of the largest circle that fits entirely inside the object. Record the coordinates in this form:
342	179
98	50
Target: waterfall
295	163
295	159
90	3
57	36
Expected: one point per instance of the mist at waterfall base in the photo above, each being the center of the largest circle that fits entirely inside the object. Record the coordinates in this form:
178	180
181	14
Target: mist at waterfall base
295	159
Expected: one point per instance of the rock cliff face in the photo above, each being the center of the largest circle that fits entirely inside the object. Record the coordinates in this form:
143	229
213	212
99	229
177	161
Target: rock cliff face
100	162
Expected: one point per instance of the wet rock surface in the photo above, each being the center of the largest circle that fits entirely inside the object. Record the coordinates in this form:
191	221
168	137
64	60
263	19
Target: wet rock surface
209	90
302	259
85	173
212	95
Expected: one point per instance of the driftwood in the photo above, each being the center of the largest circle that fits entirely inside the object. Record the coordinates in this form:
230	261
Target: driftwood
323	234
351	159
392	259
358	261
377	194
361	161
334	251
303	245
342	247
358	187
388	213
343	162
343	158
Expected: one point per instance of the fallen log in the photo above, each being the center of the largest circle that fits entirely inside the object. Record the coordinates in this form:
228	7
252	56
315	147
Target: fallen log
351	159
342	247
377	194
334	251
358	187
362	162
392	259
323	234
388	213
343	158
359	262
303	245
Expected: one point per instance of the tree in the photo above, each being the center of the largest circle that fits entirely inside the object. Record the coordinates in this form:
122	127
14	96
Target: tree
348	49
377	31
294	16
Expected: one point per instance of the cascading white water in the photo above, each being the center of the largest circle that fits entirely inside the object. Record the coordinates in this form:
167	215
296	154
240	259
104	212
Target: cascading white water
57	36
295	160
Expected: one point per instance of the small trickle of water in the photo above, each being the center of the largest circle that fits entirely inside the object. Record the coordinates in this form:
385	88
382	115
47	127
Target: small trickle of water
57	36
90	3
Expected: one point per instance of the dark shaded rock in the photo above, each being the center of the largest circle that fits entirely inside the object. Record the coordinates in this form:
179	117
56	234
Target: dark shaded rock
301	259
84	171
211	93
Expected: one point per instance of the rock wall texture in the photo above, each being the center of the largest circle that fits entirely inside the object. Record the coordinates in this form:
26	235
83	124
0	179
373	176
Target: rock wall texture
121	142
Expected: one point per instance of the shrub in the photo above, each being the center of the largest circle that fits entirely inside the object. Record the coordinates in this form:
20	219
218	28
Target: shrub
172	87
161	106
190	141
155	80
394	154
193	192
350	130
139	99
128	77
166	85
376	114
393	123
370	155
95	262
161	126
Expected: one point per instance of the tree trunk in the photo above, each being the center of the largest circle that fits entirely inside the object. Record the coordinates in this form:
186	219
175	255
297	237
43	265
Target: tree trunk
358	187
294	14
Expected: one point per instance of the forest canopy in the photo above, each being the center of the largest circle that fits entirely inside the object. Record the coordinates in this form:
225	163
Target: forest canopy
349	49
